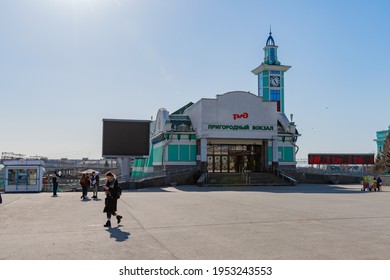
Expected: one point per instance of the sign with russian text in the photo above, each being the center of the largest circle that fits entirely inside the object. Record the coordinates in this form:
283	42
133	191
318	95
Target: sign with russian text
240	127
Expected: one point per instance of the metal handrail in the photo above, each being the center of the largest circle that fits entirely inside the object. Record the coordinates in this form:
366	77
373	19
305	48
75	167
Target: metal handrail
286	177
245	175
203	178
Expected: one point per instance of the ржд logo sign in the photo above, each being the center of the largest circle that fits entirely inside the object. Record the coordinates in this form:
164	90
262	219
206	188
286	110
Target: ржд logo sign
240	116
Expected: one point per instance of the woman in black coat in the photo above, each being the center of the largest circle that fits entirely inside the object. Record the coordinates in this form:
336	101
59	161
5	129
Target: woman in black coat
112	194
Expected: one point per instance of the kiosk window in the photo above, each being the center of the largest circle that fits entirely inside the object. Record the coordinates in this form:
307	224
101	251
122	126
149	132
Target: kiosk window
22	176
11	177
32	176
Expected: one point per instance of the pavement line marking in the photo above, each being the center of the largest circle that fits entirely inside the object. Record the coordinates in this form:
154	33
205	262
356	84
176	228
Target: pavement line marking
261	222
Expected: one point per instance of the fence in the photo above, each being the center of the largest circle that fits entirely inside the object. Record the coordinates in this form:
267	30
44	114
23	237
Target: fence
335	171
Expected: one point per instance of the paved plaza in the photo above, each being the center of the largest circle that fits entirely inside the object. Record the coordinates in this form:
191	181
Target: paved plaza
300	222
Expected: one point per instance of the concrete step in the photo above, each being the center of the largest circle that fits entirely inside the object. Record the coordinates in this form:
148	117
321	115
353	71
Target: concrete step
225	179
266	179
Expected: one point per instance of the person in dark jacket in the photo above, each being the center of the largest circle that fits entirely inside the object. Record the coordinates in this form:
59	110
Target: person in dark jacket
112	191
95	184
55	181
85	183
379	183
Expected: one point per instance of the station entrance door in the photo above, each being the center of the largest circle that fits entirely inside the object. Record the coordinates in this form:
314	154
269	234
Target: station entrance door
236	158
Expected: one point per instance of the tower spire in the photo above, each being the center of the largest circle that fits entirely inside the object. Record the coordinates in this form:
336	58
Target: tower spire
271	75
270	40
270	51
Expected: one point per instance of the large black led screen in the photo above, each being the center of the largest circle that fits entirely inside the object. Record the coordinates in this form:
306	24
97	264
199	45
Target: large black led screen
123	138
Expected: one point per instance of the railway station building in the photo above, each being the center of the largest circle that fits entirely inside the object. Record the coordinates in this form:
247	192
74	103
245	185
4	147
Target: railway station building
232	132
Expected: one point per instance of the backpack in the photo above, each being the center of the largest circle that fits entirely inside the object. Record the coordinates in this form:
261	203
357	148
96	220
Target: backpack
118	191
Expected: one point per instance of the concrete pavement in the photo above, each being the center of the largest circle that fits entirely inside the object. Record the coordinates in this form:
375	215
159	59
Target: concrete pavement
301	222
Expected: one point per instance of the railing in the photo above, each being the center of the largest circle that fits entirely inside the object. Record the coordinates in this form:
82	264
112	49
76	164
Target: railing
313	170
145	176
68	185
286	177
162	173
245	175
180	170
203	178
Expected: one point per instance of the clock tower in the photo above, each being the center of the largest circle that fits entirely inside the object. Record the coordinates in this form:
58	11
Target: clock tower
271	75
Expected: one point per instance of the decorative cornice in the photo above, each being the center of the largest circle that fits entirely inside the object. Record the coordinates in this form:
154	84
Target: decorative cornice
264	67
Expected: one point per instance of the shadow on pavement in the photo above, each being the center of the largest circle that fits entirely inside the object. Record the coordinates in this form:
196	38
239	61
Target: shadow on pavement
118	234
300	188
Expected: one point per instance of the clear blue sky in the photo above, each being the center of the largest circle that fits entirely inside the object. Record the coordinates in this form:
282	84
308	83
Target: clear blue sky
67	64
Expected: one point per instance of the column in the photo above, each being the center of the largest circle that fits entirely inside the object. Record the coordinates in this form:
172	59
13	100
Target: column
125	169
203	153
275	153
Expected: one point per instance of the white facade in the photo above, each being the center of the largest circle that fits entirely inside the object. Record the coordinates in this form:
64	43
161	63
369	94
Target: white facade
234	115
236	118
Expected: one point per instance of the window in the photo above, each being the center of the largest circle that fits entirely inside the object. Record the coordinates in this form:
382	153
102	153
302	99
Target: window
272	55
32	176
22	176
261	80
275	95
260	84
275	72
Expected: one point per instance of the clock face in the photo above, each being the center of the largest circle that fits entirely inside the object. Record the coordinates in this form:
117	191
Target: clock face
274	81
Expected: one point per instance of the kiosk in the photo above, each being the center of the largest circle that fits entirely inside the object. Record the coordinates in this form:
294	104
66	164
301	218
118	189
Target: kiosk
23	175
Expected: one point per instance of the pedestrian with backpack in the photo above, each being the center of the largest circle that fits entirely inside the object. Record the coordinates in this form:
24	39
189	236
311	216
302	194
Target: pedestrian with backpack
113	192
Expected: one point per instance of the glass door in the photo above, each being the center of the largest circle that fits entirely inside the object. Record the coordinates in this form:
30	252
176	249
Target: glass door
224	164
217	163
232	164
210	164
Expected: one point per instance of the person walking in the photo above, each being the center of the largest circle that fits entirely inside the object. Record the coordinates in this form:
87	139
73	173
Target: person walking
85	183
55	181
112	191
379	183
95	184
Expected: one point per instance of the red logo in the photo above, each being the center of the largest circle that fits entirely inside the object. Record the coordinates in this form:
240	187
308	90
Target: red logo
240	116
